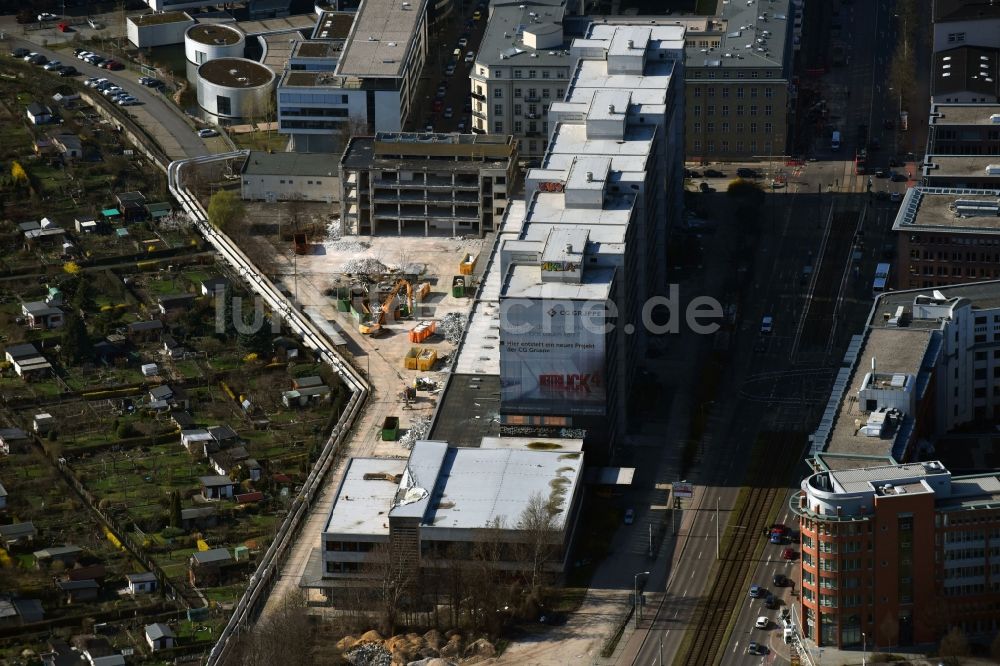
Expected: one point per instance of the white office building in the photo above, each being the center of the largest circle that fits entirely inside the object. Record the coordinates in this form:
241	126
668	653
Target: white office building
371	84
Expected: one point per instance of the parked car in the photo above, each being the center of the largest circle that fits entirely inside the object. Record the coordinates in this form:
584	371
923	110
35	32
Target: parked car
691	173
113	65
470	56
95	24
67	70
448	112
767	325
629	516
51	65
463	42
38	59
83	55
63	27
762	622
898	177
756	591
91	82
47	16
207	132
882	173
895	197
461	126
19	52
714	173
449	70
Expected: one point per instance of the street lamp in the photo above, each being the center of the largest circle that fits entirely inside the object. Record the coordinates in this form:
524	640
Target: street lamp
864	648
635	596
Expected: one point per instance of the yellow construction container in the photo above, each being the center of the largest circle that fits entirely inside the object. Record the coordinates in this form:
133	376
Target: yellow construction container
426	360
468	264
410	360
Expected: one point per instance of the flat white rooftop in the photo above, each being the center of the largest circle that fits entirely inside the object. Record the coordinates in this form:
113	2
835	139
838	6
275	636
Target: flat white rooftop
526	282
365	497
381	37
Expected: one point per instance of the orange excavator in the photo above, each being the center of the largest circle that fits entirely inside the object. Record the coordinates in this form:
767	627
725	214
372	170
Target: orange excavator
373	324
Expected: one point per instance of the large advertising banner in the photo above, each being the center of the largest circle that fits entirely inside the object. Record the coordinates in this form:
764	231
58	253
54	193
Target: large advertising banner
552	357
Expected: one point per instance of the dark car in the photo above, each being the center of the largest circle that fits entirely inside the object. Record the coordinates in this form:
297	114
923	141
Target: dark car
771	601
780	580
755	648
705	187
691	173
19	52
747	173
897	177
67	70
777	537
882	173
713	173
113	65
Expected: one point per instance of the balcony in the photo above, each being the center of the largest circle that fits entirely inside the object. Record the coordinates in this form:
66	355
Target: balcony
475	95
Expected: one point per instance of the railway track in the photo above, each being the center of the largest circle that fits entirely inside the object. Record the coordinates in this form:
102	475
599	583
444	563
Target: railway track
728	580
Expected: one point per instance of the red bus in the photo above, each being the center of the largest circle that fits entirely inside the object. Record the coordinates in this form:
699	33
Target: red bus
859	162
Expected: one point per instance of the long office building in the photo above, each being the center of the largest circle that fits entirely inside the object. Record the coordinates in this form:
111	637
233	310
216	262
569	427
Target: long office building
521	68
556	334
948	235
963	147
895	550
739	80
445	184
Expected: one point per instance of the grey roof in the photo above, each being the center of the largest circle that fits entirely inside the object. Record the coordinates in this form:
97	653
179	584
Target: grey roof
162	392
12	434
365	495
144	577
469	409
505	29
17	530
197	512
214	283
26	350
260	163
306	382
158	630
221	432
3	491
966	69
7	609
216	481
152	324
381	39
965	10
109	660
56	551
210	556
743	24
30	610
36	109
74	585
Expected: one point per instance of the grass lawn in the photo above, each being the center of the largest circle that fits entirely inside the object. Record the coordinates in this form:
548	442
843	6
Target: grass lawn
261	140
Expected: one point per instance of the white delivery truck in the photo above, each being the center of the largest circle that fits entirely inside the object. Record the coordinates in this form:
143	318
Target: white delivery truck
881	279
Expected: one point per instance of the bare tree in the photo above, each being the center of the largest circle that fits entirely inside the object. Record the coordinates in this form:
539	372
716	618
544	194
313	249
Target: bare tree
284	636
954	644
539	539
391	581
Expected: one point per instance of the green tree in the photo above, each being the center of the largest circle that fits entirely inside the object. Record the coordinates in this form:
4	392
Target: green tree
76	345
225	208
175	509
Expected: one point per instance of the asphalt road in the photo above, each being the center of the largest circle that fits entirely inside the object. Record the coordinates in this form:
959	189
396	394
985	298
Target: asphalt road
168	125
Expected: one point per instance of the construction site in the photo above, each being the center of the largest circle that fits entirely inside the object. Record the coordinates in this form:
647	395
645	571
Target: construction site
397	306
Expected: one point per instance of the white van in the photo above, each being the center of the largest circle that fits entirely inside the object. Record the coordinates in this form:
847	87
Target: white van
835	140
